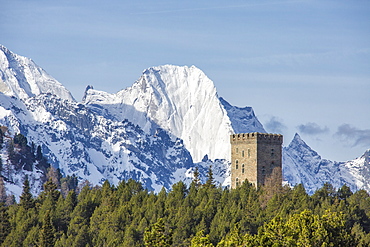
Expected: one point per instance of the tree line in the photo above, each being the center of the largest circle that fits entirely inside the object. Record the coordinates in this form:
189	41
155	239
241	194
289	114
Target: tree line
66	213
194	215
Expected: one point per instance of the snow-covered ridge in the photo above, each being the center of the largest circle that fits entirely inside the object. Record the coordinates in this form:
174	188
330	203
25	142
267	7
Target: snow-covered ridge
179	99
243	119
302	165
156	131
22	78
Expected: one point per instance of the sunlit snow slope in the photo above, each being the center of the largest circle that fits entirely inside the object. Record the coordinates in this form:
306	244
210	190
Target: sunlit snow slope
302	165
183	101
22	78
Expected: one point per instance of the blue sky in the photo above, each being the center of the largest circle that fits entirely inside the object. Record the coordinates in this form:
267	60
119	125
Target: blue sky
304	66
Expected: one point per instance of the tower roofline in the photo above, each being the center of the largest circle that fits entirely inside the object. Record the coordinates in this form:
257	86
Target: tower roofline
256	135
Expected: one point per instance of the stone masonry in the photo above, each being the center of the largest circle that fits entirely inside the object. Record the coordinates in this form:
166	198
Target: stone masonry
254	156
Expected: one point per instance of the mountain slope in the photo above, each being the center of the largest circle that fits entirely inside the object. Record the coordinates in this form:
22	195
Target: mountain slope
303	165
131	134
242	120
22	78
79	142
17	160
181	100
156	131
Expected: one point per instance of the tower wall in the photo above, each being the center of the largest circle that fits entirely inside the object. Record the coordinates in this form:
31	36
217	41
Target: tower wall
254	156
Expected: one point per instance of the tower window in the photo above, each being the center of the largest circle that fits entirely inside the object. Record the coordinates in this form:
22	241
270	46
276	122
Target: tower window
243	153
249	153
237	181
237	150
236	165
243	169
263	170
272	152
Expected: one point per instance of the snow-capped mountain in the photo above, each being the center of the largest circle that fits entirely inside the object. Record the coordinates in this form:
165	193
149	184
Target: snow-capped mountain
150	132
181	100
302	165
156	131
242	119
95	148
22	78
20	161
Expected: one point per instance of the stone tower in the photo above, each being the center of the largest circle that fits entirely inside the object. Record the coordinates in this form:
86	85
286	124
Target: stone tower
254	156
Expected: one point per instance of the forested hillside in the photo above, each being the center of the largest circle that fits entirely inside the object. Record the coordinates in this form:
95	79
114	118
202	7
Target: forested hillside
199	215
18	159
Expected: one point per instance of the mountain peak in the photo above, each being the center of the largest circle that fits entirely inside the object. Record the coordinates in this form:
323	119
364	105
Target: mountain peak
300	148
297	139
243	120
22	78
89	87
4	49
183	101
173	77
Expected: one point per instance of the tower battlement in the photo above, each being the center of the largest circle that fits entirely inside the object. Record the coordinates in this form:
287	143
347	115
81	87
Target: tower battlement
256	136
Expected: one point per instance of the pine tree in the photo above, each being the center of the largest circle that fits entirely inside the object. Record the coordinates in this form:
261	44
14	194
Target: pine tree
71	201
33	237
82	237
64	210
344	192
26	200
50	190
306	229
200	240
233	239
210	180
5	226
47	238
196	179
157	235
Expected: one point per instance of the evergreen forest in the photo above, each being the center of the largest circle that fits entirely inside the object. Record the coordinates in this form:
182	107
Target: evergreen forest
66	213
198	215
